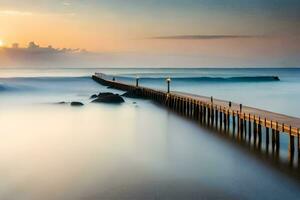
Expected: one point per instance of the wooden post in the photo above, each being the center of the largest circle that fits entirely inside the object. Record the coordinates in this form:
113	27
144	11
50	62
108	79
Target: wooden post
211	111
225	120
174	102
298	138
245	126
191	108
217	116
199	105
212	115
178	105
208	115
196	114
186	107
249	129
238	121
259	133
201	112
267	135
228	120
233	123
277	138
291	147
242	127
273	137
196	110
183	106
204	114
254	131
221	118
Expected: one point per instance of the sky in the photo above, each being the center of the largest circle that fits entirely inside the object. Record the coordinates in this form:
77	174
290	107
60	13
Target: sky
158	33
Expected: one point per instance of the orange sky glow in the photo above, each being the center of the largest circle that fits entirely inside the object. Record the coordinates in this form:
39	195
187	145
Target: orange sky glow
116	27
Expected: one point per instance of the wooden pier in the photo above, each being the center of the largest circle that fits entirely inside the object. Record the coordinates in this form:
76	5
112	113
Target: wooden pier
246	122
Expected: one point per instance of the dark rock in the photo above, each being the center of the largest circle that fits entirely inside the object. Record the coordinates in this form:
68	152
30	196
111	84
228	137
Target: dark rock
75	103
103	94
110	87
108	97
61	102
132	94
94	96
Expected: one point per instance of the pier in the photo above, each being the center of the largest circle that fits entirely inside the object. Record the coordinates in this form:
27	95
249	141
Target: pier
246	123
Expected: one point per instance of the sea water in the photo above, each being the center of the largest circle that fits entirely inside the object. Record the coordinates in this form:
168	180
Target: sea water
137	150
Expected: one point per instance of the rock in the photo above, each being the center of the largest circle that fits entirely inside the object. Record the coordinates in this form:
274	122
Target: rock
61	102
103	94
94	96
75	103
108	97
132	94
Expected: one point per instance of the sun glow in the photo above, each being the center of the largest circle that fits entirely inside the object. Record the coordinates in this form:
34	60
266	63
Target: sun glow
1	43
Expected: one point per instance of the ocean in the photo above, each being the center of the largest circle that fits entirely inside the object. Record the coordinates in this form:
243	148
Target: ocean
137	150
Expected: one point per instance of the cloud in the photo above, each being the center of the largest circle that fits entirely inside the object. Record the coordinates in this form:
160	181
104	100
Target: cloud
202	37
18	13
15	13
35	55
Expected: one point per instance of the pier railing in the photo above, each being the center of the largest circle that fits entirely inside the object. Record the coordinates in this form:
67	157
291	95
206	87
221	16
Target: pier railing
246	122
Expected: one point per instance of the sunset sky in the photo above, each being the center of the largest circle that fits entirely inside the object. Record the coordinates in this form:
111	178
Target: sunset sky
161	32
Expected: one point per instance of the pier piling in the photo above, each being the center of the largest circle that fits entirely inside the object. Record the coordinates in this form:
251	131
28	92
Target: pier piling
228	117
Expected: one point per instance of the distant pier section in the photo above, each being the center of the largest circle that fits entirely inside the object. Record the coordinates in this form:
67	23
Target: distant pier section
246	123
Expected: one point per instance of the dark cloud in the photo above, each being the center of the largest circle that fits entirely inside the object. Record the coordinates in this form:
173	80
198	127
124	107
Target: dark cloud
35	55
203	37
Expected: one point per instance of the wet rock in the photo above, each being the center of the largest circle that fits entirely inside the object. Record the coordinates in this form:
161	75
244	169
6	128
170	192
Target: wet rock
108	97
132	94
76	103
94	96
103	94
61	102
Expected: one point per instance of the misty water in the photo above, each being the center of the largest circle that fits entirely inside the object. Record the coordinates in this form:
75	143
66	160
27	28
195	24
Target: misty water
137	150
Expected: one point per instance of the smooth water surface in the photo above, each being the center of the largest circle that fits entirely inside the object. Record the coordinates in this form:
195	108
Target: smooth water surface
137	150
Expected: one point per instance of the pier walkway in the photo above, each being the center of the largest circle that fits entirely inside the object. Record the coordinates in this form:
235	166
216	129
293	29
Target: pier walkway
245	121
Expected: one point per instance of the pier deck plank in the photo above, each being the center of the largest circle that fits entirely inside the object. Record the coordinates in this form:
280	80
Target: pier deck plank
294	122
279	122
